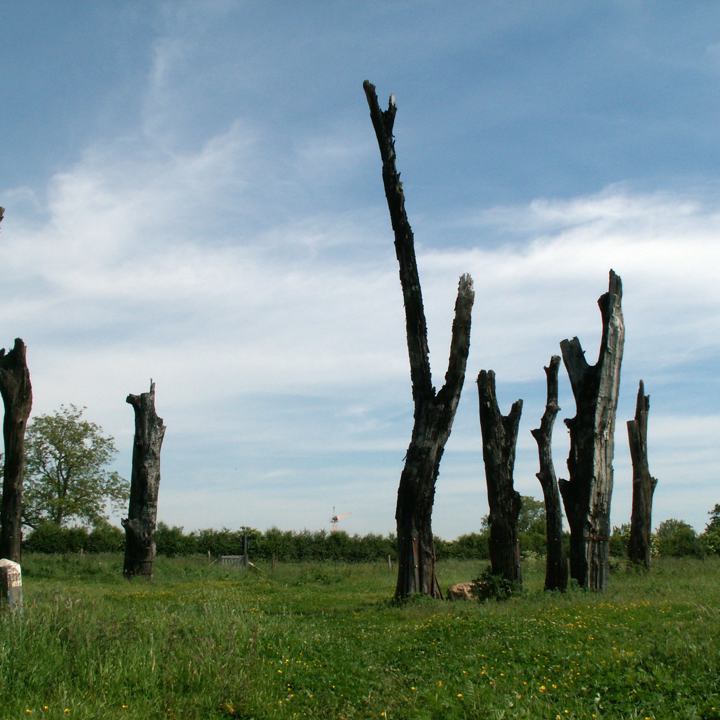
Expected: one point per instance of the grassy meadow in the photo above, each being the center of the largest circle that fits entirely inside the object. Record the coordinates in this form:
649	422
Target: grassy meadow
323	641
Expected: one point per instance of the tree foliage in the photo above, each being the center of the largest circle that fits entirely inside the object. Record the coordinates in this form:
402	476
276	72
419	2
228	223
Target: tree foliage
711	537
619	540
714	522
676	538
532	515
531	527
51	538
67	479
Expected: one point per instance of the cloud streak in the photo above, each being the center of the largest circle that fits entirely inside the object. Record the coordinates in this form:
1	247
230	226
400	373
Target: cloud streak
247	266
124	286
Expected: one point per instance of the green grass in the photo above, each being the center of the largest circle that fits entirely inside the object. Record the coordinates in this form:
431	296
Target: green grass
323	641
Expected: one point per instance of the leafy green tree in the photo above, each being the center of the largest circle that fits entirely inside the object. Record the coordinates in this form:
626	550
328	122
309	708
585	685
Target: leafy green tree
66	471
104	538
532	515
676	538
171	541
49	537
470	546
711	537
531	526
619	540
714	523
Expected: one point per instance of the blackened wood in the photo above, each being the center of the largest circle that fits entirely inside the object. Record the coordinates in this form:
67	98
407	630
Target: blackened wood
588	492
144	486
433	412
499	438
643	483
556	570
17	396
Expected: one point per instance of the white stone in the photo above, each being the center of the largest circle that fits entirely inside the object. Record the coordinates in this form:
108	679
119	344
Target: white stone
10	582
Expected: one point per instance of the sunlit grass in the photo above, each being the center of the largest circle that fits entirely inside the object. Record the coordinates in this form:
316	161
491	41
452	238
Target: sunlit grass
323	641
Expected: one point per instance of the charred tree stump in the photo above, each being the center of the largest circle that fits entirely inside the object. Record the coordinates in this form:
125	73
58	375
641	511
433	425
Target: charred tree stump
643	483
434	412
556	571
17	396
144	486
499	438
588	492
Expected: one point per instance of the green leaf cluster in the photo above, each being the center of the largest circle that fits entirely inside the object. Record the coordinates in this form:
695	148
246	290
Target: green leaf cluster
67	478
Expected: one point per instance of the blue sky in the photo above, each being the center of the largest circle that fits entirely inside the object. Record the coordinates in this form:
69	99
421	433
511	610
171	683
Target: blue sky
193	194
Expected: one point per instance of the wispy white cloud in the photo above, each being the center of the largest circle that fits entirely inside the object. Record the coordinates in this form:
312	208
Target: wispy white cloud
127	288
229	261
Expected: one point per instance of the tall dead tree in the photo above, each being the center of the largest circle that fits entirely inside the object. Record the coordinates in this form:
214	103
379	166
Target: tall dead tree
588	492
17	396
556	571
434	411
144	486
643	483
499	438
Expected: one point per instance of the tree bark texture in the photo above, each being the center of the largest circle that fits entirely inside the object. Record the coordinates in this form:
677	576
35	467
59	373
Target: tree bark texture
144	486
499	438
588	492
433	412
643	483
17	396
556	570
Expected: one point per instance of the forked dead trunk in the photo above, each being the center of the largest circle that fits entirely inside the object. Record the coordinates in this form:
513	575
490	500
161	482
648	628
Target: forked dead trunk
144	486
643	483
588	492
499	438
556	570
434	412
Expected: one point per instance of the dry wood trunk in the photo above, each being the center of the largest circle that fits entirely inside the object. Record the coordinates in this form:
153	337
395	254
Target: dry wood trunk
144	486
433	412
643	483
17	396
556	570
588	492
499	437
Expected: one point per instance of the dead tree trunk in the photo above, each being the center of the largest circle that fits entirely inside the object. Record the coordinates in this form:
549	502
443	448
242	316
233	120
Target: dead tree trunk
499	437
144	486
588	492
643	483
556	571
17	396
434	412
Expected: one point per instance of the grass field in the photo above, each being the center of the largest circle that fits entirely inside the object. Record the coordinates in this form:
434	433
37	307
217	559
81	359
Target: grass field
323	641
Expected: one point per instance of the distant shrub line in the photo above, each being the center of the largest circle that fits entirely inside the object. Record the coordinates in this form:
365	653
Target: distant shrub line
284	545
674	539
